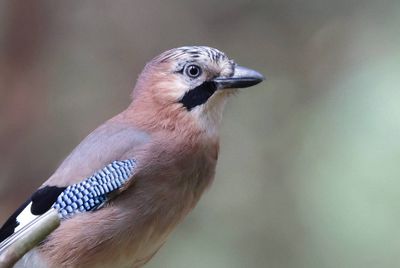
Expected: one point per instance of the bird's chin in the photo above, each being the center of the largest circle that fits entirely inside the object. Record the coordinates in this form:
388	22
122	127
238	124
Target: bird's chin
226	93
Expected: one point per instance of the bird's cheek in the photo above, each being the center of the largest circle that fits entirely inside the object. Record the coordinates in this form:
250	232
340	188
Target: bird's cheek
169	91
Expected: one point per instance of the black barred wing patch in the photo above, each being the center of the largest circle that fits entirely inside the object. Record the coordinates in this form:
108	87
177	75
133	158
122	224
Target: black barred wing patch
87	195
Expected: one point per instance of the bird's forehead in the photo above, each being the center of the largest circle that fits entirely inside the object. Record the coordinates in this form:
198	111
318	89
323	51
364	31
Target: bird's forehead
193	53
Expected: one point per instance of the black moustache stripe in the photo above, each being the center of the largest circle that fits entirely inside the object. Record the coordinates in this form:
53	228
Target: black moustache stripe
198	95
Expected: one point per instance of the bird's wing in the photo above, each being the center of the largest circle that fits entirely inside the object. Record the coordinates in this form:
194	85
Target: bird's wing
107	143
86	178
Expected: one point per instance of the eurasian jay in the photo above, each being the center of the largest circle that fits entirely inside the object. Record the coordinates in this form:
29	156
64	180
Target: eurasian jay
126	186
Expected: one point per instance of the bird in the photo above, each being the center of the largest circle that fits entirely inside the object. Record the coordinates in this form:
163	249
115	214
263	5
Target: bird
132	180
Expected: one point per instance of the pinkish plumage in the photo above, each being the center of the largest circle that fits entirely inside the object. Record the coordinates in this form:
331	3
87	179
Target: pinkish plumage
171	130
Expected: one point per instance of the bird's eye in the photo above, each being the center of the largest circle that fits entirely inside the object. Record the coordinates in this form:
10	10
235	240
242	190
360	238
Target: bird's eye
193	71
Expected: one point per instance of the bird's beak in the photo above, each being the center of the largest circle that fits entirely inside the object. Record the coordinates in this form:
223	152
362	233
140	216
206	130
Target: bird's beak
242	77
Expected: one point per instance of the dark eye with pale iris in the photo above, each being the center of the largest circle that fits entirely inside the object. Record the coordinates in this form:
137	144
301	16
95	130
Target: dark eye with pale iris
193	71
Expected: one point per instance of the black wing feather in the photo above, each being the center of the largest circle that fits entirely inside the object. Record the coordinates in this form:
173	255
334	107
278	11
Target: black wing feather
42	200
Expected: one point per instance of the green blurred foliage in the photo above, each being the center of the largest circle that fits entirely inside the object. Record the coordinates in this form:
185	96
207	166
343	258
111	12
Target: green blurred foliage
309	171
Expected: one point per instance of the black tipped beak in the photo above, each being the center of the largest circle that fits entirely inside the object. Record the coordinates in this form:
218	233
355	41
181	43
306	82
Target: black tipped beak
242	77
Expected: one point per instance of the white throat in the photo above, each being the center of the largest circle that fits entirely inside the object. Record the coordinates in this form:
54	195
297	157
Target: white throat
209	115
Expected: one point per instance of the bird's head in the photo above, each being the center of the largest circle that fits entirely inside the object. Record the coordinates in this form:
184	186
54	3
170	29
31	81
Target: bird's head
191	85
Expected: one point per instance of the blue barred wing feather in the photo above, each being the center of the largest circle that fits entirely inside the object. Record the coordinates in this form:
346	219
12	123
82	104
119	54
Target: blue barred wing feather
92	193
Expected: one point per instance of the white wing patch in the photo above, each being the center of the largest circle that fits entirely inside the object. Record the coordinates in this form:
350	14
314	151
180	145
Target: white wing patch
25	217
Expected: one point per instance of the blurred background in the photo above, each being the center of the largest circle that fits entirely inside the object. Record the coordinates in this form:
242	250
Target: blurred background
309	171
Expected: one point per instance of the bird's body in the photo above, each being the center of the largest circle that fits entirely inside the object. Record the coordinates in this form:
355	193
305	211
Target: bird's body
165	189
171	132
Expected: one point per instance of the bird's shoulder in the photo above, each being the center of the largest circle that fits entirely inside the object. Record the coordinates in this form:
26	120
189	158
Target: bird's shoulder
98	151
109	142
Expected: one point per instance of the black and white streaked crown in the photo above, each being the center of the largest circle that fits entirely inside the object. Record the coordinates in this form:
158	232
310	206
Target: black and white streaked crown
194	52
92	193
